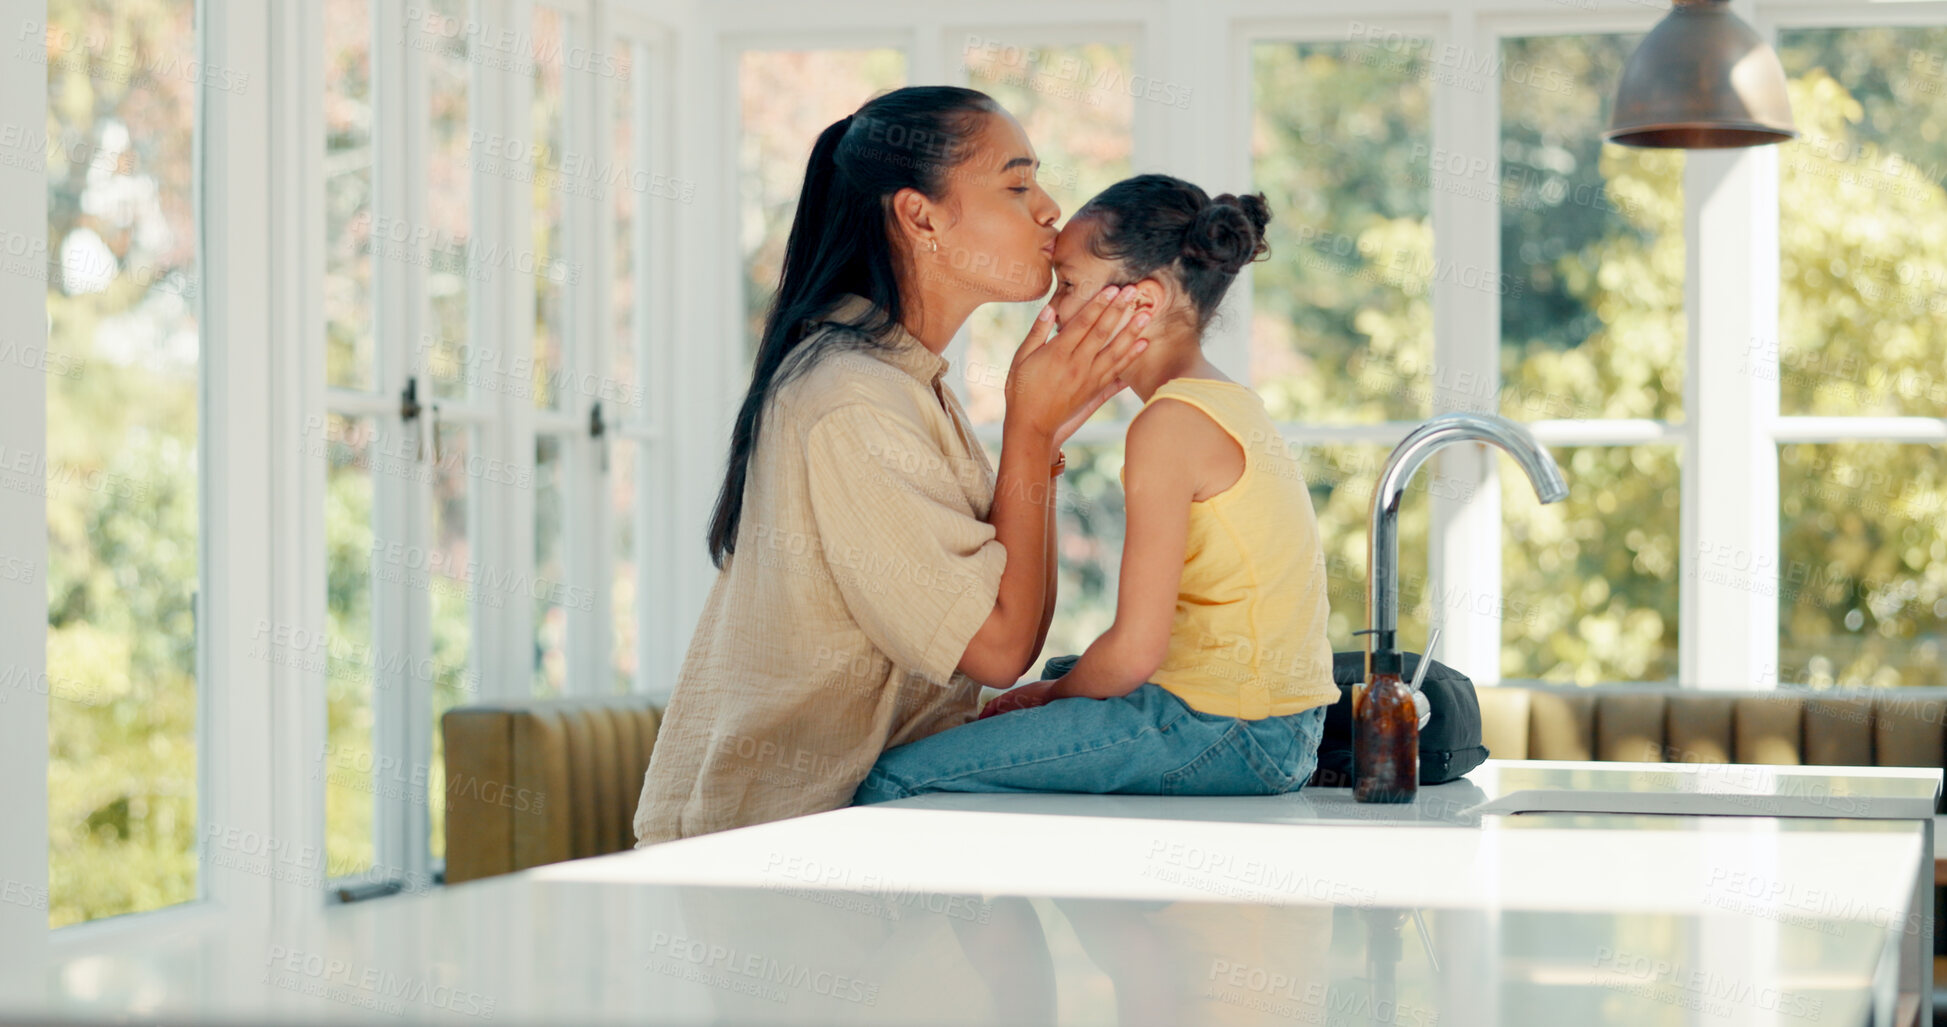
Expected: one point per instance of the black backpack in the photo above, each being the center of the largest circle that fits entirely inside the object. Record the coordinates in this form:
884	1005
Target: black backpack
1450	743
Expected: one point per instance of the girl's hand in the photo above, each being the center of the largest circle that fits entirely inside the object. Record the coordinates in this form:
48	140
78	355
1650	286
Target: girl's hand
1056	383
1021	698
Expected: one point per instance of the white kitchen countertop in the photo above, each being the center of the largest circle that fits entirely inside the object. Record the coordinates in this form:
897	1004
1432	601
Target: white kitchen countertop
1132	909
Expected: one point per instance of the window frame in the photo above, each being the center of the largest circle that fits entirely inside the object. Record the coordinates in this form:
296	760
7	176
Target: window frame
262	727
23	593
1780	430
505	423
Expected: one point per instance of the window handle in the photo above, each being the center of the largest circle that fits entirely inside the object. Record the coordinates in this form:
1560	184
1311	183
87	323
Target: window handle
598	430
409	410
409	400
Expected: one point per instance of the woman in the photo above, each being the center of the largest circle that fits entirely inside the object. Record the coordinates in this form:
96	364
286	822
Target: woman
875	570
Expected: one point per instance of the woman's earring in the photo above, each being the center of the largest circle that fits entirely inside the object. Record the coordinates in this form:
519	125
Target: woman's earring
933	246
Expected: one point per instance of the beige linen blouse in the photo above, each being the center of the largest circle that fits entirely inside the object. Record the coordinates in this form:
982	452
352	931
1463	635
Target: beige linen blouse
864	564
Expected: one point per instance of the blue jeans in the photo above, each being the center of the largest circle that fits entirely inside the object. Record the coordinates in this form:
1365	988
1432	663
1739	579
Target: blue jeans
1144	743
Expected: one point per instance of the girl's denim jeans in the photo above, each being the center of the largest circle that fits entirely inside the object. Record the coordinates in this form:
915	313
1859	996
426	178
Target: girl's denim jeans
1146	743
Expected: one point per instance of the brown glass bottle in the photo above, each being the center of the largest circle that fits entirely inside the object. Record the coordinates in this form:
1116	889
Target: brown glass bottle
1385	741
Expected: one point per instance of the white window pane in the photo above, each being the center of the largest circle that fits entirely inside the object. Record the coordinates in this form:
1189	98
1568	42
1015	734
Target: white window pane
623	559
553	252
1862	565
550	568
1592	250
1863	223
120	474
630	191
1073	103
453	678
1341	479
786	98
350	354
1342	328
443	351
351	448
1090	519
1589	584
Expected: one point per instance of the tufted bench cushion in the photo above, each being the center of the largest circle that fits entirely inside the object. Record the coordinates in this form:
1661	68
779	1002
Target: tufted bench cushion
542	781
1904	727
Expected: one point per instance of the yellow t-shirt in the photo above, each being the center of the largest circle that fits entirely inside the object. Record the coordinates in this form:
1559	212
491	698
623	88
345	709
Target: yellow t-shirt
1249	636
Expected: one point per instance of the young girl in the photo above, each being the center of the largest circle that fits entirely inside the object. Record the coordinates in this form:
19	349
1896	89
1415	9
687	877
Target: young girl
1216	674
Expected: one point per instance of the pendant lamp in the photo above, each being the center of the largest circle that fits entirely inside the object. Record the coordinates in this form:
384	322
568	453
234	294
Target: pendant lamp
1702	80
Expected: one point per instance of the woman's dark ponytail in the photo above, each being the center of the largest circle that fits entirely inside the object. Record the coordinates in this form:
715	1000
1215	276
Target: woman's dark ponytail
843	241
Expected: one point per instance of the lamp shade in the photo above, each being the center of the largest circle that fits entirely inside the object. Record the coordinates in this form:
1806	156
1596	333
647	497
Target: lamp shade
1702	80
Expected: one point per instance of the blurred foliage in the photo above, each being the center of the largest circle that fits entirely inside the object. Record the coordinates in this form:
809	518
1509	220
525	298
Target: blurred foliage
444	352
550	552
1863	255
1592	326
1341	326
350	362
1592	248
349	345
548	160
787	97
348	625
1342	323
122	502
1082	129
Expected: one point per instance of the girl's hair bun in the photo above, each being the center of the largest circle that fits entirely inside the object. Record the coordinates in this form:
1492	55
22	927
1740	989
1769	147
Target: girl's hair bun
1228	232
1157	224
